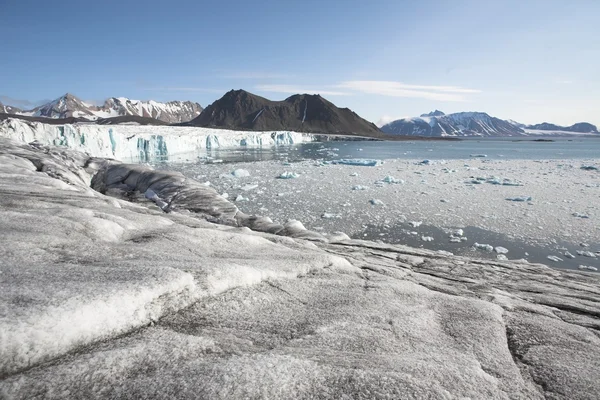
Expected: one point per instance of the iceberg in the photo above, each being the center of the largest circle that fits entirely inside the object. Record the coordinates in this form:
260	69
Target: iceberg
358	161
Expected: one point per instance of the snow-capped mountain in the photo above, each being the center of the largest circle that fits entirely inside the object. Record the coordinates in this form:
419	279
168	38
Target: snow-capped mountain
65	106
69	105
436	113
6	109
437	123
171	112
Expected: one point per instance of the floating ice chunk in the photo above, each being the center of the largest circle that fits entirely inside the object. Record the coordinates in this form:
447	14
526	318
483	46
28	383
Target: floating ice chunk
479	155
415	224
509	182
445	253
330	216
241	198
240	173
207	183
390	179
586	253
458	232
288	175
359	187
454	239
501	257
500	250
354	174
589	168
358	161
519	198
578	215
486	247
588	267
225	195
554	258
376	202
248	187
568	255
427	238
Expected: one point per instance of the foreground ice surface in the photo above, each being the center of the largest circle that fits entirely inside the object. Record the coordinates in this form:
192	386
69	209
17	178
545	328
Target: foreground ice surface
216	311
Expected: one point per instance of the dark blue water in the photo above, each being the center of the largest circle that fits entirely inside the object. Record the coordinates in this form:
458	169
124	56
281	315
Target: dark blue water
492	148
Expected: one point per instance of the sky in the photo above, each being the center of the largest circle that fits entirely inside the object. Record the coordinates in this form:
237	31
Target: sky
528	60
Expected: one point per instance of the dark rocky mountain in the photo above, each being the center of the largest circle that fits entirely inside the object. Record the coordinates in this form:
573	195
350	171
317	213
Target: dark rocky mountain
457	124
242	110
581	127
436	113
6	109
69	106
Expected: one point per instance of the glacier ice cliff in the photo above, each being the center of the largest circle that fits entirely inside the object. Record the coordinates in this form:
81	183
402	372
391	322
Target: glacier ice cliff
101	297
142	142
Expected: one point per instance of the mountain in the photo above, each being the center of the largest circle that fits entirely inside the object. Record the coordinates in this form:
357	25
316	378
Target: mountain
6	109
436	113
69	106
581	127
66	106
457	124
171	112
242	110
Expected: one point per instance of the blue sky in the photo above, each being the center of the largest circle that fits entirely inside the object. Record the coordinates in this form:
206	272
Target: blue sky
528	60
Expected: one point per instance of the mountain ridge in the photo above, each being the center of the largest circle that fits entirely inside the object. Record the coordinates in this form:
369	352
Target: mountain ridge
438	124
580	127
70	106
242	110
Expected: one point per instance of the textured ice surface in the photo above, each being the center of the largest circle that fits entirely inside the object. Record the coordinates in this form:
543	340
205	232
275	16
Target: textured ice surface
126	301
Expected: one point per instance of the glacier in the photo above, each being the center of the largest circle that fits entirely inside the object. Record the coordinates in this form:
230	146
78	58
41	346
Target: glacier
120	281
143	143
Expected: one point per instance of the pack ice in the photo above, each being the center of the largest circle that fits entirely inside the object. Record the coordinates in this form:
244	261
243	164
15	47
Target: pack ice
118	281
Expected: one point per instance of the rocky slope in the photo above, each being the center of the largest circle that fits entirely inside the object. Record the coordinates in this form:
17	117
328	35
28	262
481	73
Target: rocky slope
437	123
69	106
102	298
239	109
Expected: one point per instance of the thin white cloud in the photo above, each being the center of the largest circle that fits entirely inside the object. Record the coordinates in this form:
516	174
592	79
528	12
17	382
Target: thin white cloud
399	89
290	89
386	119
253	75
184	89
